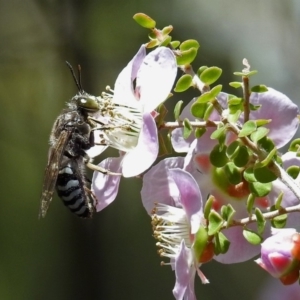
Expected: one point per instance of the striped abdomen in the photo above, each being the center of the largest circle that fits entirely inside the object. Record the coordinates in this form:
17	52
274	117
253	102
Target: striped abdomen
70	187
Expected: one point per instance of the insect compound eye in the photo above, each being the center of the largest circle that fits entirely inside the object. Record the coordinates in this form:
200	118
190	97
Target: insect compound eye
88	103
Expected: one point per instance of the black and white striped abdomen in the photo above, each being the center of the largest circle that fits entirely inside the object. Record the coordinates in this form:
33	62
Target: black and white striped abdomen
70	188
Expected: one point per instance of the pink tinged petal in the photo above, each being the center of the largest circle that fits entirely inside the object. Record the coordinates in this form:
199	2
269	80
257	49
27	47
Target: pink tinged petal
156	77
182	271
145	153
281	110
190	197
123	90
158	186
105	187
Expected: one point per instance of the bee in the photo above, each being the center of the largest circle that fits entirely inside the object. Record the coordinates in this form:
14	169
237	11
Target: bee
71	135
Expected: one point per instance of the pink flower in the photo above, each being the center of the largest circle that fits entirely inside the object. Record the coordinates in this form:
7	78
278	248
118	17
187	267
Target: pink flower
176	209
130	126
280	255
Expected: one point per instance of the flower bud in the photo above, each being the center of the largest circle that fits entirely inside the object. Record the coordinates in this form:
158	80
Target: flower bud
280	255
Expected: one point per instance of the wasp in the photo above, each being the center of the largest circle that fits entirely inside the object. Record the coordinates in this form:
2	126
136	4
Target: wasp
71	135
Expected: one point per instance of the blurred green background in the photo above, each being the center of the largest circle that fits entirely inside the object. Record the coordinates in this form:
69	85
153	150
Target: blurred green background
112	256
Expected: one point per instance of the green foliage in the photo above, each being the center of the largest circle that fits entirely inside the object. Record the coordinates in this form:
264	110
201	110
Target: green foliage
248	128
177	110
198	109
210	75
227	212
260	220
252	237
189	44
294	146
144	20
208	206
187	128
183	83
215	222
187	56
258	134
260	189
221	243
218	156
232	173
293	171
200	241
250	203
259	88
199	132
279	221
236	84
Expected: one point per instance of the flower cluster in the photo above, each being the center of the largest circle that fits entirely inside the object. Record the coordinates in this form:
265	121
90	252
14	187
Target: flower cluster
224	197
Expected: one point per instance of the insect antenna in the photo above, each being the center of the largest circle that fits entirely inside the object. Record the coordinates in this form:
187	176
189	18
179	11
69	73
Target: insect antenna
77	82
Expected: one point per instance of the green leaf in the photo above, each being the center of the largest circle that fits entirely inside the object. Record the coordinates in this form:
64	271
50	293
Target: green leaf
260	133
188	44
183	83
280	221
242	157
266	143
200	241
208	206
261	88
295	145
175	44
187	129
215	222
205	97
177	109
250	203
236	84
215	91
167	40
252	237
293	171
232	173
235	101
200	70
218	157
278	201
210	75
260	189
221	243
186	57
245	73
198	110
208	111
268	159
247	128
261	222
262	122
249	175
264	175
199	132
144	20
218	133
166	30
232	149
227	212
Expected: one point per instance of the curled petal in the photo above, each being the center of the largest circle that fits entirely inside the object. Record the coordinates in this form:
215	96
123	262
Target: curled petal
145	153
105	187
123	90
281	110
158	186
190	197
156	77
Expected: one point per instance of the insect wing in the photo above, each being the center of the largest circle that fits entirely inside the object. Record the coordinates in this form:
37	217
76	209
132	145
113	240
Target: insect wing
55	156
